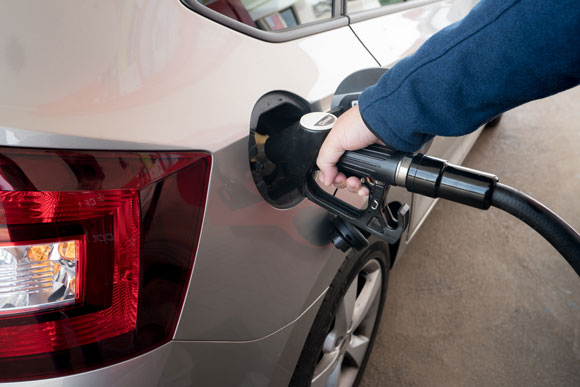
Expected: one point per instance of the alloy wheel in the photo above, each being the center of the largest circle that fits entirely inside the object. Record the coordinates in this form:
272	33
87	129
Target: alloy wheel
347	343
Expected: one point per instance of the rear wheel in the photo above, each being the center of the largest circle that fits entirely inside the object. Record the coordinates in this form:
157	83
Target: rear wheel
341	338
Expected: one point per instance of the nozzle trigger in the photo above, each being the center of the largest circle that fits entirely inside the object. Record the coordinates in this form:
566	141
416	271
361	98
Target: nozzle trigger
374	219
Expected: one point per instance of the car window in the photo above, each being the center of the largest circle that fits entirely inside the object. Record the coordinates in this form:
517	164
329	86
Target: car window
272	15
354	6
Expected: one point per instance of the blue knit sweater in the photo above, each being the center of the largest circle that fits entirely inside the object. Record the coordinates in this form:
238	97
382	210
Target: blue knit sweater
502	54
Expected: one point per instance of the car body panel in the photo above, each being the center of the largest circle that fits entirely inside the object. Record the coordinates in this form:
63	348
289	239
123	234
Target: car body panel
158	72
144	370
393	36
268	361
244	285
146	85
153	75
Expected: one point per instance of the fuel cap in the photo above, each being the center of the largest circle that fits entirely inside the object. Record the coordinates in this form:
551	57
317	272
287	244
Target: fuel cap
317	121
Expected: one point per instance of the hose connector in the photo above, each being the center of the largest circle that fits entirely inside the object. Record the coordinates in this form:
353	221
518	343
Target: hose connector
435	178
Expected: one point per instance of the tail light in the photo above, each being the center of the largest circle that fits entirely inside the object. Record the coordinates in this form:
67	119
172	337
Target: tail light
96	251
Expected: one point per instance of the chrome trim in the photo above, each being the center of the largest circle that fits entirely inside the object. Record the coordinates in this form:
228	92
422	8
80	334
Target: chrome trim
387	9
268	36
403	171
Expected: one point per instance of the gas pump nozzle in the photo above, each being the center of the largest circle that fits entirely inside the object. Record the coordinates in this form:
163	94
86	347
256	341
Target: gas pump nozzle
295	150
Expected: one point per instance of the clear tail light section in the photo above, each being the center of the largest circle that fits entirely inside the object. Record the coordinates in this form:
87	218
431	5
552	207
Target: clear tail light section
39	276
96	251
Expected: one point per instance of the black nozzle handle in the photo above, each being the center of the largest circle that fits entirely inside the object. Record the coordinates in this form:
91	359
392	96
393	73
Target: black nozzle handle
420	174
376	161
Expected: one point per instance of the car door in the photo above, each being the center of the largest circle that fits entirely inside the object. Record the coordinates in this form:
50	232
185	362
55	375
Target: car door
394	29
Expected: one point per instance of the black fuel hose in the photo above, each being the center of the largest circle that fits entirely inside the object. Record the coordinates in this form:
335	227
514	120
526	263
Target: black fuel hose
539	217
433	177
436	178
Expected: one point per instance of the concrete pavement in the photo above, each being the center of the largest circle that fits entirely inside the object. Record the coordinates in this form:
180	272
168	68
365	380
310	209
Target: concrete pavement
479	299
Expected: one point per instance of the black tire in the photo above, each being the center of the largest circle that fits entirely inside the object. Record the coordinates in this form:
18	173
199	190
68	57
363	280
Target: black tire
324	323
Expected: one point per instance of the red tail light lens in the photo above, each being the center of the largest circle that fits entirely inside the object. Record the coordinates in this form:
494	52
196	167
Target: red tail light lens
96	250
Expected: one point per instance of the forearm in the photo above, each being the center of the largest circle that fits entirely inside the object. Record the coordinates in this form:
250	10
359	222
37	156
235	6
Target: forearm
503	54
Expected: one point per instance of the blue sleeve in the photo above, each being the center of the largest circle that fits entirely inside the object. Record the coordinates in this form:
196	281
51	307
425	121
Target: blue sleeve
502	54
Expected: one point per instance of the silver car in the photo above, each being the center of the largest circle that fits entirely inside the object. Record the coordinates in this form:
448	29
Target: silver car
147	240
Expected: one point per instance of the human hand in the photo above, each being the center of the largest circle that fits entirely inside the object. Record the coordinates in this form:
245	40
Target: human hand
349	133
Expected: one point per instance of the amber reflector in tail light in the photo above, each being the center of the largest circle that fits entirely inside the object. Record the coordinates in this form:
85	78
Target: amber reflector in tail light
96	251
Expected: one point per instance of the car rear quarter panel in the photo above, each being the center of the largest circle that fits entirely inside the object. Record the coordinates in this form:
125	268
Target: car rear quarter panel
156	73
